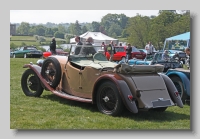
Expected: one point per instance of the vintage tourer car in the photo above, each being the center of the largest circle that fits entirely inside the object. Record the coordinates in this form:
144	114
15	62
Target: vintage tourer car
86	75
156	58
26	52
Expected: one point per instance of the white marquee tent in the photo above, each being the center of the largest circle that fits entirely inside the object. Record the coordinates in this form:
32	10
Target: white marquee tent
98	38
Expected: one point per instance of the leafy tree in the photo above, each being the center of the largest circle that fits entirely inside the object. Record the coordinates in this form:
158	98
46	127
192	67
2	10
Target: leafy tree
124	33
123	19
89	26
114	29
109	19
102	30
84	29
23	28
61	28
77	28
58	34
137	29
171	11
40	30
49	32
95	26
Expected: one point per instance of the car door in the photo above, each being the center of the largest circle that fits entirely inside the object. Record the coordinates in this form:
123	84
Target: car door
120	52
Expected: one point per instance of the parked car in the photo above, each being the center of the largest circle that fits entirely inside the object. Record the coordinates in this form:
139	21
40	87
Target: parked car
119	55
181	79
59	51
170	63
87	76
27	52
143	50
11	54
137	54
180	53
173	69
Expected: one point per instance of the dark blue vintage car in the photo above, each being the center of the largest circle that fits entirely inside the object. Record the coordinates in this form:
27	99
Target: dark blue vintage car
170	63
181	79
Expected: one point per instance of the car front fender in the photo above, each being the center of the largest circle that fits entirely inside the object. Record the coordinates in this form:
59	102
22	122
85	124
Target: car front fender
122	87
37	69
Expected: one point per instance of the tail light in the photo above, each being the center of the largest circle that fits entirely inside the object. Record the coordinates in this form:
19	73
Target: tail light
130	97
176	94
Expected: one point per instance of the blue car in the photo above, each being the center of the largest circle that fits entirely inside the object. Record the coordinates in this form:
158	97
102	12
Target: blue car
157	59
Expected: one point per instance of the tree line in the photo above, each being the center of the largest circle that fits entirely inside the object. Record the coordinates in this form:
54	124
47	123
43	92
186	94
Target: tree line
137	30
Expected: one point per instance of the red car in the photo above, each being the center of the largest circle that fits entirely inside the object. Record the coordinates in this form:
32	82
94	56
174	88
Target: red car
59	51
137	53
119	55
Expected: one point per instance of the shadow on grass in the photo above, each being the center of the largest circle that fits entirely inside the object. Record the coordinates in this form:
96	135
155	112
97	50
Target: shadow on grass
155	116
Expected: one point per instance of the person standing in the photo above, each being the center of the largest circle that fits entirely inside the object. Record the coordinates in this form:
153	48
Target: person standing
78	40
112	52
53	46
149	47
89	41
103	46
128	52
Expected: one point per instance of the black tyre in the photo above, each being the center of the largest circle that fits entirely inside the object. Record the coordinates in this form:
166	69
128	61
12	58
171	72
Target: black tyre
108	99
179	86
30	84
51	71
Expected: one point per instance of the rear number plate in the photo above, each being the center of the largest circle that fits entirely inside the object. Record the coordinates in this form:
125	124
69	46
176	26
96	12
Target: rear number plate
161	103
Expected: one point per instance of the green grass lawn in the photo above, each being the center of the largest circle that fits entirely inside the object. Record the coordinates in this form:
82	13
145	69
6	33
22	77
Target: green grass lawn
30	40
52	112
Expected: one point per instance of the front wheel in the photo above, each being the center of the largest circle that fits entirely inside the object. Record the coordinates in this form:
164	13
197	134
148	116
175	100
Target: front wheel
108	99
30	84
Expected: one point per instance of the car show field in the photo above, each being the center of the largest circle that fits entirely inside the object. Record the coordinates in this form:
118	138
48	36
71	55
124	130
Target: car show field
52	111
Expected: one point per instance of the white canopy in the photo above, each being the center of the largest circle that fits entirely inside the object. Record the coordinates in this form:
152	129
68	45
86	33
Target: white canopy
98	38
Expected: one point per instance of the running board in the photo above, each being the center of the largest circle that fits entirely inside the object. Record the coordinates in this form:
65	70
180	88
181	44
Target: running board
67	96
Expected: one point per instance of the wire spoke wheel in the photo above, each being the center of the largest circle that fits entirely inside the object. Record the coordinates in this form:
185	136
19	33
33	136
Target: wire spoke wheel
30	83
108	99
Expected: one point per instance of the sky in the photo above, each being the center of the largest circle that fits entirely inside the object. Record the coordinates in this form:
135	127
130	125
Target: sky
70	16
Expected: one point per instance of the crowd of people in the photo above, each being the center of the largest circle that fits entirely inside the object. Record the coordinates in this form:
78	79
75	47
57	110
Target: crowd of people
110	48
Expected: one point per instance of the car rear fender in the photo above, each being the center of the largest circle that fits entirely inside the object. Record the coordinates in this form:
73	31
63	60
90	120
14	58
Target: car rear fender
172	90
123	90
184	79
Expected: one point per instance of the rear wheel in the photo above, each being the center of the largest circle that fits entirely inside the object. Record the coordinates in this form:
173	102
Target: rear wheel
179	86
30	84
51	71
108	99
